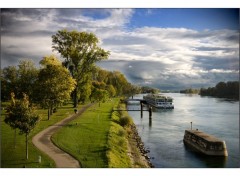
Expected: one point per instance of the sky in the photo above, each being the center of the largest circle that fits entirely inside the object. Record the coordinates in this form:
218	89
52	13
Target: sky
166	48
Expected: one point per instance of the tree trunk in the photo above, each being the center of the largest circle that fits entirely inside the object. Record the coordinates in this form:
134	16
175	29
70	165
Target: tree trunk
75	99
51	109
48	114
26	146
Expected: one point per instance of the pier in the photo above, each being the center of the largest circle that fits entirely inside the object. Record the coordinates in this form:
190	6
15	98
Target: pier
141	101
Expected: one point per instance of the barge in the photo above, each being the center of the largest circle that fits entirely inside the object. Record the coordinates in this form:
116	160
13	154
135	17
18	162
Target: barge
205	143
159	101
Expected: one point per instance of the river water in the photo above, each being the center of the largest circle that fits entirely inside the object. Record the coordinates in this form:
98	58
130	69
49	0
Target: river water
163	136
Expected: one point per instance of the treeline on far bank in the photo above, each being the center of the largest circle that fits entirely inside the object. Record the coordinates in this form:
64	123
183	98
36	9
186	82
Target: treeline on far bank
229	89
190	91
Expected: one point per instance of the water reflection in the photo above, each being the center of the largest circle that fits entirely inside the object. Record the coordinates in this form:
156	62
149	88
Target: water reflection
150	123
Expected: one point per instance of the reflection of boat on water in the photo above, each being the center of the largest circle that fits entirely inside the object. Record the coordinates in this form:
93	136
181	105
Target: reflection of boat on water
159	101
205	143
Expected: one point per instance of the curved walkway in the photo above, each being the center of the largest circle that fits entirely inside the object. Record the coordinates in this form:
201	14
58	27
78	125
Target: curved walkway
43	142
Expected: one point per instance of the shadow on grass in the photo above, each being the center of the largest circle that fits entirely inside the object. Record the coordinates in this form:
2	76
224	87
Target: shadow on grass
103	150
22	163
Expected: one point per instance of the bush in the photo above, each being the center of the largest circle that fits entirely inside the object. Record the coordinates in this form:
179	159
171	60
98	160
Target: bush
124	121
121	132
121	142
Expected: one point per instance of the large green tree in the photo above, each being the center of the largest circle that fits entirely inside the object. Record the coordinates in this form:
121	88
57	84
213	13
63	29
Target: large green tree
9	81
81	51
21	115
54	84
19	80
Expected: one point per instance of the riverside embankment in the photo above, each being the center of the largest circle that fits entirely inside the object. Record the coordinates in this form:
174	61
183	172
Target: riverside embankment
101	138
123	137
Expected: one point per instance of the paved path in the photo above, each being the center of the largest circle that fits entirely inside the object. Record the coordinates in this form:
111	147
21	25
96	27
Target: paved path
43	142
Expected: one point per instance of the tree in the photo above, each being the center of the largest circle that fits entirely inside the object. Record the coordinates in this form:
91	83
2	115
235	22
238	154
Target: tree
10	118
50	60
27	76
223	90
22	116
19	80
54	84
111	90
9	81
99	95
81	51
85	90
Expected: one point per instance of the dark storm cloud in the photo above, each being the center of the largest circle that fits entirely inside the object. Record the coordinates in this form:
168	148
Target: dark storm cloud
159	75
208	63
37	33
204	48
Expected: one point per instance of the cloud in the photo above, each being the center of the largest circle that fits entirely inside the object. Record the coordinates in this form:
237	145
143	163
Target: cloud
164	57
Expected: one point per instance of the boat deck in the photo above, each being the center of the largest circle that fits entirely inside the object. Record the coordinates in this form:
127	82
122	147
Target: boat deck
205	136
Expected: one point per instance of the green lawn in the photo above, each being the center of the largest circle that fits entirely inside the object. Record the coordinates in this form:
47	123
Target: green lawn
118	143
15	157
95	138
86	138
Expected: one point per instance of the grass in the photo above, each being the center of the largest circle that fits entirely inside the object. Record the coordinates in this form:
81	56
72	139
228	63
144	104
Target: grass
118	143
15	157
96	139
122	142
86	137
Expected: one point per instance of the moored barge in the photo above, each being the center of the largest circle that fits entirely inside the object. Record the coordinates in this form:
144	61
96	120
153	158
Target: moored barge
205	143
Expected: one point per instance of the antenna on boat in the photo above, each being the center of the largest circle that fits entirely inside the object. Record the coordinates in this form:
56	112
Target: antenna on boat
191	125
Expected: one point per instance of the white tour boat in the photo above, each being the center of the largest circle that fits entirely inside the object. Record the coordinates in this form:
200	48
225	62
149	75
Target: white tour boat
159	101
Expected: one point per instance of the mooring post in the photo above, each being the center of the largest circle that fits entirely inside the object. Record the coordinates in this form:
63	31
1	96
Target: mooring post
191	125
150	122
141	109
150	112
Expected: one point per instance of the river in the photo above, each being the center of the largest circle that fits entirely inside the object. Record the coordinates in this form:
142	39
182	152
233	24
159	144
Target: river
164	135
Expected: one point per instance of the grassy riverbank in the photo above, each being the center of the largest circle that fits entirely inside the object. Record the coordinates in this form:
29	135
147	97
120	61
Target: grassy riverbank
118	141
15	157
123	142
86	137
99	138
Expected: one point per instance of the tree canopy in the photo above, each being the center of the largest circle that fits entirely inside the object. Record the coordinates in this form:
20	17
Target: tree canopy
81	51
54	83
21	115
222	90
20	79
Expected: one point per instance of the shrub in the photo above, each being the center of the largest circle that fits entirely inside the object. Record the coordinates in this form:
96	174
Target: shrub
124	121
121	142
121	132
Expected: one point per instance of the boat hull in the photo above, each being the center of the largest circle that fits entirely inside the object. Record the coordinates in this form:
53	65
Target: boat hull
161	107
202	145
